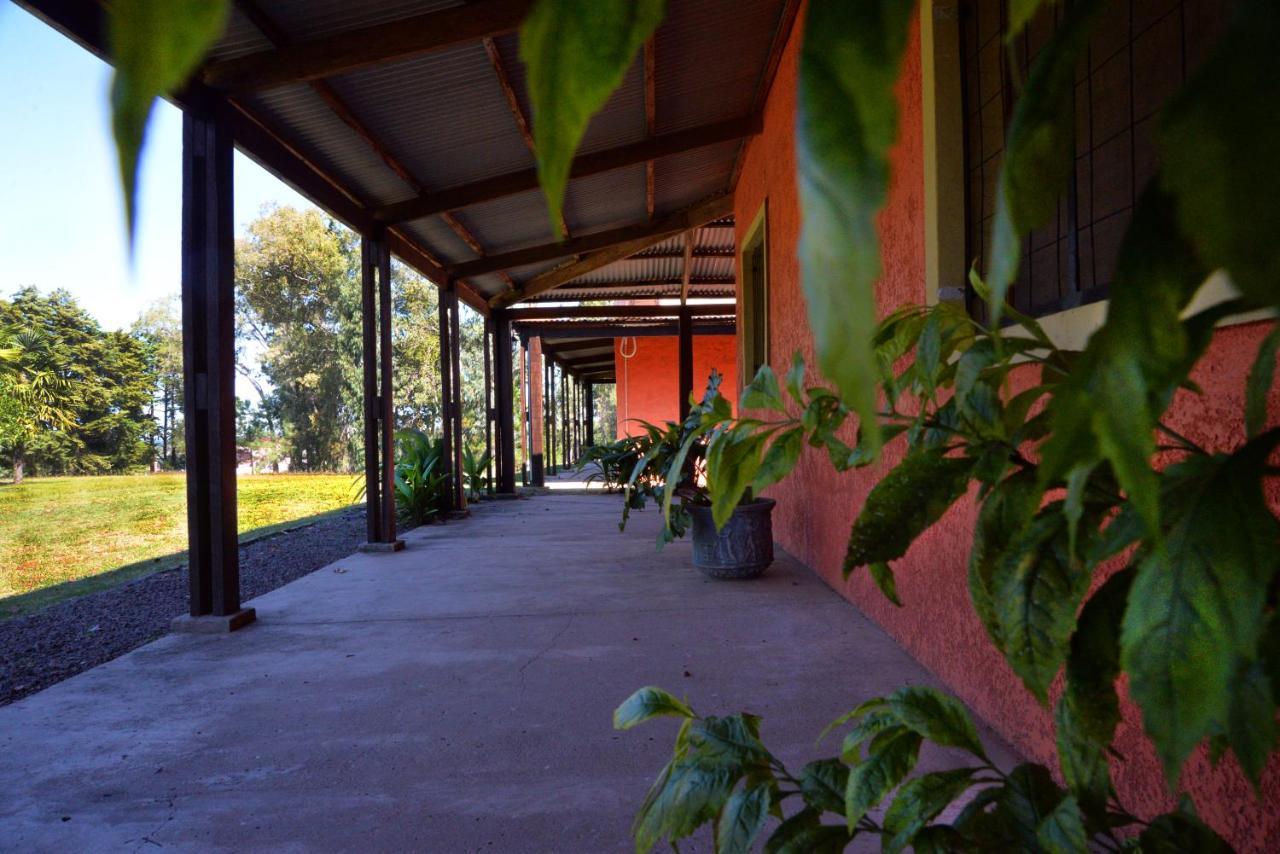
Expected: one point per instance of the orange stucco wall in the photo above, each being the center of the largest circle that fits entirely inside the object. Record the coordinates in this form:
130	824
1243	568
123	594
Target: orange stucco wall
648	382
937	624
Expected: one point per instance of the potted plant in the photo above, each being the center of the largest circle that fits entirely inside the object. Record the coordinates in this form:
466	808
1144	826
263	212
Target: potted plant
668	464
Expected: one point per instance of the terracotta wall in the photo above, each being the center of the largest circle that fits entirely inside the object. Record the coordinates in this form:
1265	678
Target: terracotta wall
937	624
648	382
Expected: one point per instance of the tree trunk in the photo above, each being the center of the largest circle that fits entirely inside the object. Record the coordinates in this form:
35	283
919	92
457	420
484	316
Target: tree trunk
18	464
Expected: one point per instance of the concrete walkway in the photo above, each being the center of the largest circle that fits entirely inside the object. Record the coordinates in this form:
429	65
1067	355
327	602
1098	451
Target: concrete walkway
453	697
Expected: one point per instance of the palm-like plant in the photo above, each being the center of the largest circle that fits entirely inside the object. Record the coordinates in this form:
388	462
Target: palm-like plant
419	484
34	394
475	472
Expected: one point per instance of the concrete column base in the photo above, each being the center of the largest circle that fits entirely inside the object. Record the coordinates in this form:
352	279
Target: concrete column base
213	624
396	546
505	496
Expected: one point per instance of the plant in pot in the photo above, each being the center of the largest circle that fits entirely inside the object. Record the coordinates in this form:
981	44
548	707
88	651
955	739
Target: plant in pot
671	467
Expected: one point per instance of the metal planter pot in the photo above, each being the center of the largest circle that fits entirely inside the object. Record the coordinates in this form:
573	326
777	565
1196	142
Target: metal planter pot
742	549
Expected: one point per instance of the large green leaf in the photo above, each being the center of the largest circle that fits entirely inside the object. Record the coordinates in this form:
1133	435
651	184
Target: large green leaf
1179	832
154	47
734	738
918	801
645	704
823	783
903	504
743	818
763	392
1198	602
1251	719
885	767
936	716
1039	151
804	834
1007	509
1131	366
1037	590
1089	708
1062	830
689	793
780	459
1258	388
576	52
847	120
1218	139
733	459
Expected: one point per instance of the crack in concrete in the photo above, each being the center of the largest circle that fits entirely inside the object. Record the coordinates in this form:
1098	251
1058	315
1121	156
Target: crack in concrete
550	646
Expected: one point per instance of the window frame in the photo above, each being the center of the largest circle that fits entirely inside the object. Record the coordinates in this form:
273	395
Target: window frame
755	238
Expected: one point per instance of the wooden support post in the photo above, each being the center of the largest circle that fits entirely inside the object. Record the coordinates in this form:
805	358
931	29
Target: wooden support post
506	409
591	413
488	404
446	395
551	418
386	398
455	340
372	408
686	360
537	413
208	373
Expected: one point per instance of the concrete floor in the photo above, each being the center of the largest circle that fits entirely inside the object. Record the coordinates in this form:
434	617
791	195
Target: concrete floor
453	697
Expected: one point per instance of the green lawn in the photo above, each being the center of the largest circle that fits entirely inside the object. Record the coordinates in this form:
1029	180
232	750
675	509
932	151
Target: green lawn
65	536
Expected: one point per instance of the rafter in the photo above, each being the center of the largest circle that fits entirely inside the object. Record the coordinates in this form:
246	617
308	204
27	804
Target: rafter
513	104
658	231
650	119
355	49
639	329
573	312
712	209
277	36
587	164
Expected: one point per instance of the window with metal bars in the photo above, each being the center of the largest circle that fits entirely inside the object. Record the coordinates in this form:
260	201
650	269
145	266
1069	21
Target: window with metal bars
1140	53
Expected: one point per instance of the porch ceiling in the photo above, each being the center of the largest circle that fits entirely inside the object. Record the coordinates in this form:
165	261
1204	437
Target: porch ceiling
413	114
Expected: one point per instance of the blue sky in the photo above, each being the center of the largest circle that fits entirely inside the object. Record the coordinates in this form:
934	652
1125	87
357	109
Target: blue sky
61	220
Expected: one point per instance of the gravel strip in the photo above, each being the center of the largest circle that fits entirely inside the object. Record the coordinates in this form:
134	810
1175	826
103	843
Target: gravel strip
60	641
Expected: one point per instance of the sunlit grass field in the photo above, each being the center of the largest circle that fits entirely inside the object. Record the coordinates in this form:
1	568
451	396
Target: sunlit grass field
65	536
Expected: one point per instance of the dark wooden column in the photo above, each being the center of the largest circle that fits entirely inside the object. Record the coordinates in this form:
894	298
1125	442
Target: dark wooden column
488	404
552	447
446	395
379	395
506	408
590	398
209	373
386	397
455	341
686	359
372	405
537	413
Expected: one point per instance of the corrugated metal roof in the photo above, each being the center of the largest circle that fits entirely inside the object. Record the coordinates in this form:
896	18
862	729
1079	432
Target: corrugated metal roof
445	119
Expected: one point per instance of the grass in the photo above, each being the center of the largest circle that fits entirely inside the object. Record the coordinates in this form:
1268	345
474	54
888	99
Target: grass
67	536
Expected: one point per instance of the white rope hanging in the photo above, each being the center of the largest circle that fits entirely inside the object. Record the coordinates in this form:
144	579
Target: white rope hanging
626	375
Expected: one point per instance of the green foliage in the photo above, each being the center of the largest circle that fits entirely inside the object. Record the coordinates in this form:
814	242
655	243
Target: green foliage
847	119
611	463
72	397
672	461
723	775
475	472
421	486
576	53
154	47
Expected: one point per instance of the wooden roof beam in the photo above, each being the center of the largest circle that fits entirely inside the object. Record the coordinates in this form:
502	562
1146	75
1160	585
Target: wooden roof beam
588	164
569	312
361	48
651	232
640	329
274	34
714	208
650	119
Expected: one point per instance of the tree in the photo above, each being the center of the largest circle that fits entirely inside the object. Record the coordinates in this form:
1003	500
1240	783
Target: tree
160	328
33	396
298	301
75	403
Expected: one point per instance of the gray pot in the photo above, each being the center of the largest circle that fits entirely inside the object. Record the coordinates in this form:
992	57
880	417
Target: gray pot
742	549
